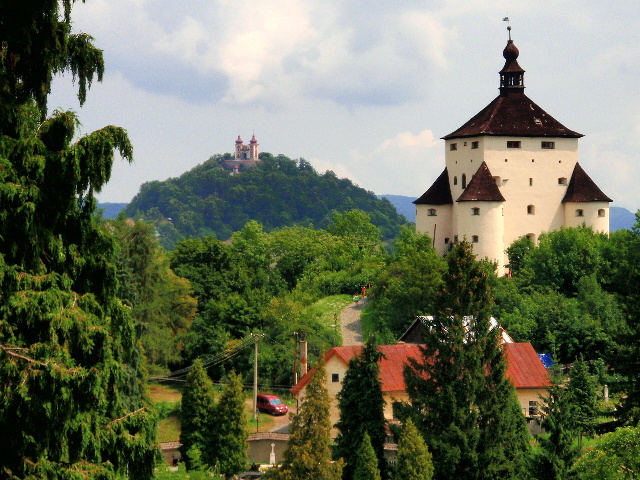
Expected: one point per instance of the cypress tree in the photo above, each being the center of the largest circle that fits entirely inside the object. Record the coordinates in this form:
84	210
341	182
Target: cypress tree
72	402
462	401
366	467
198	404
308	454
361	409
230	428
413	460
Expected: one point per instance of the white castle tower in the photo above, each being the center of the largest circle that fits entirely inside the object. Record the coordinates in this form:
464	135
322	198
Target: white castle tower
511	170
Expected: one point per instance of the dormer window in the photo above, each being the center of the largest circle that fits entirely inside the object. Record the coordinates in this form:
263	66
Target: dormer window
513	143
453	146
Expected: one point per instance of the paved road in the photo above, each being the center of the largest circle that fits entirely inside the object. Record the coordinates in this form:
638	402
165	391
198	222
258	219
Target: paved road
350	323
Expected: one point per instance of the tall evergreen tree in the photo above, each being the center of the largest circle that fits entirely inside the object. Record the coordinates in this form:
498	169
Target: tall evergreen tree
366	461
413	460
308	454
72	401
582	390
230	428
198	404
462	401
361	409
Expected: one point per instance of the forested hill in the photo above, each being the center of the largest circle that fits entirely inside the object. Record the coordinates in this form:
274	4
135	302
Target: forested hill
279	192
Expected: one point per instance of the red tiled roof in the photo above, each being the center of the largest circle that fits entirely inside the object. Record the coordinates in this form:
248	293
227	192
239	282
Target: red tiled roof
524	367
582	189
439	193
482	187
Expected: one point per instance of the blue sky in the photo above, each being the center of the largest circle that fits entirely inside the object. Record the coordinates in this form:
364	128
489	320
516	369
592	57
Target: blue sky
363	88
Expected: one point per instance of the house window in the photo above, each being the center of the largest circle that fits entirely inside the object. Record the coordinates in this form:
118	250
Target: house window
464	180
533	408
579	213
335	377
475	211
475	144
548	145
513	143
474	238
531	209
432	212
562	181
453	146
601	212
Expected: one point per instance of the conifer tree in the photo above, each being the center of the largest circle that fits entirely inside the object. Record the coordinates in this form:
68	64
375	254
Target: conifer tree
198	404
413	460
361	409
366	467
72	401
462	401
581	390
308	454
230	428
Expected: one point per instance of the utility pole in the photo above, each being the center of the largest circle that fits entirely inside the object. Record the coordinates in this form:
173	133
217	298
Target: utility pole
255	376
295	358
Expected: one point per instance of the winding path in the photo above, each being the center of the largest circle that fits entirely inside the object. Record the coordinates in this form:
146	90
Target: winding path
350	326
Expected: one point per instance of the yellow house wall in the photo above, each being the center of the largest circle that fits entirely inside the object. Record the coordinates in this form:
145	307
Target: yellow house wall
526	395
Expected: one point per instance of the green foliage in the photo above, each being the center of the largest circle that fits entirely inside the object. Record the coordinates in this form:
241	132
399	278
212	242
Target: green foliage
366	467
198	403
72	403
460	397
407	286
614	456
517	251
582	391
308	454
361	410
413	460
279	192
230	428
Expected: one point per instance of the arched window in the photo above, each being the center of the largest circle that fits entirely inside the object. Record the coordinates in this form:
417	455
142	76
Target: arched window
455	180
464	180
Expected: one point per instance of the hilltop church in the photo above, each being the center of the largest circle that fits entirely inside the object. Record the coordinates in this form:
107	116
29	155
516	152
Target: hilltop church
511	170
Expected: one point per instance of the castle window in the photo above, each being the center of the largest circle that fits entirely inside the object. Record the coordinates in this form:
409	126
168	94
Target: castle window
531	209
498	181
532	237
465	144
531	182
446	240
562	181
475	211
548	145
579	213
464	181
455	180
453	146
601	212
475	144
335	377
474	239
513	143
432	212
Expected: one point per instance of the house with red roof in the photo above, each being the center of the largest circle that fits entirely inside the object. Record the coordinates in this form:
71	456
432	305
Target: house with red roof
511	170
525	370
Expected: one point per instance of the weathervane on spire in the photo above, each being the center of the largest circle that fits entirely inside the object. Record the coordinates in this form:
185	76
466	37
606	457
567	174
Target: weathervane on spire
506	19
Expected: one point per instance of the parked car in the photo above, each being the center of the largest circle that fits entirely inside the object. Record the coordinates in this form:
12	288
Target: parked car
271	404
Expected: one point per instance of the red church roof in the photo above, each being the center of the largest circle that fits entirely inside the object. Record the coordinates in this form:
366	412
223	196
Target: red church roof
525	369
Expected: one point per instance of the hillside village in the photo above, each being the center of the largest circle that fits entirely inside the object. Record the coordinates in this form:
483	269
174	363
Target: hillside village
498	337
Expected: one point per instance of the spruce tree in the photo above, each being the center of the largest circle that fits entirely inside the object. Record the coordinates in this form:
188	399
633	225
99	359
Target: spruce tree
361	409
413	460
198	404
308	454
581	390
72	401
366	467
230	428
461	400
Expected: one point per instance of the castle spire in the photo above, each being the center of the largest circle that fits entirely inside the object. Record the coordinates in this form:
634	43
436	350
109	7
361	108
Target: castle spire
512	74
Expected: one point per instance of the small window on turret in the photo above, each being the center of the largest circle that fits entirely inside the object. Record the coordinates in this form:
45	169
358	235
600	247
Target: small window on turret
453	146
475	211
513	144
562	181
548	145
601	212
432	212
579	213
474	238
475	144
531	209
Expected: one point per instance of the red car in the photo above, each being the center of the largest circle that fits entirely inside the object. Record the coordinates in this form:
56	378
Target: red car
271	404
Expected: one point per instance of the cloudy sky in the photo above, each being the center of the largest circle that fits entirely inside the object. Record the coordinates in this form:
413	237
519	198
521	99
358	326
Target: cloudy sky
363	88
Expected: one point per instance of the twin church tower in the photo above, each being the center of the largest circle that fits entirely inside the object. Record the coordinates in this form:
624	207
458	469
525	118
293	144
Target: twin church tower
511	170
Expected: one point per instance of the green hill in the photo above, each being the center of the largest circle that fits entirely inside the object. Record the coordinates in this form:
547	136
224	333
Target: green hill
279	192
